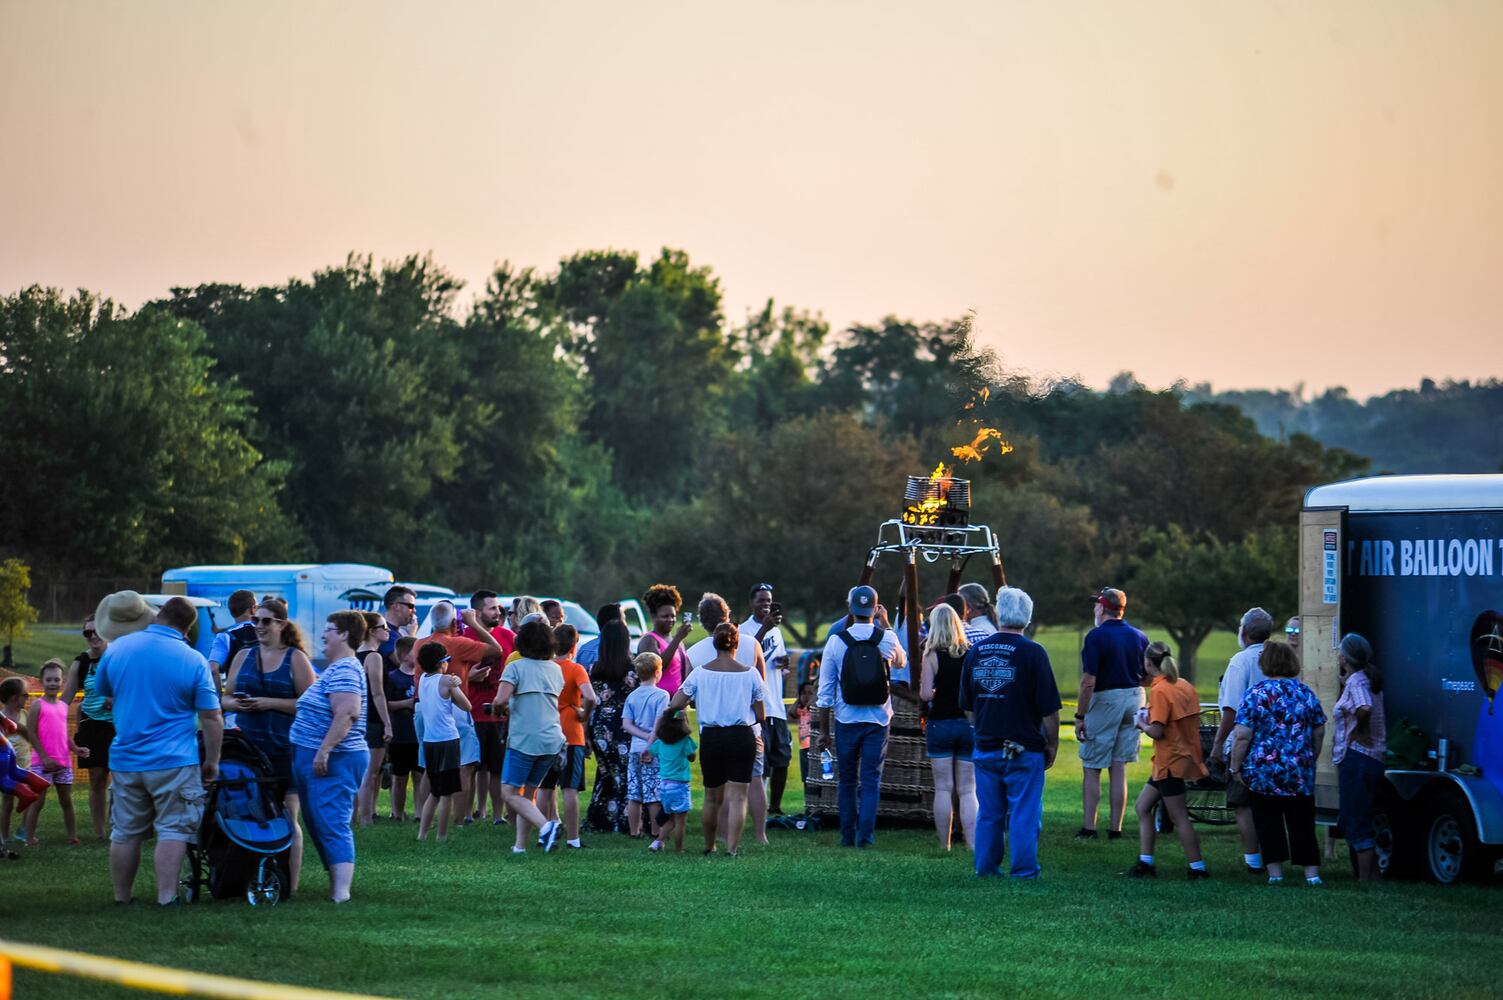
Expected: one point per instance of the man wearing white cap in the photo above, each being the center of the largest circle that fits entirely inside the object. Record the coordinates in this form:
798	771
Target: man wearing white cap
855	686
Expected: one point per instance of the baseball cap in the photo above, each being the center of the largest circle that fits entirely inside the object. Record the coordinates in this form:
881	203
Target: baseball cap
863	601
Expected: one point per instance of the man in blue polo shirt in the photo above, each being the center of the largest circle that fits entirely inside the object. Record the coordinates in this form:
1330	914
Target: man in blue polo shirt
1008	692
1111	692
163	694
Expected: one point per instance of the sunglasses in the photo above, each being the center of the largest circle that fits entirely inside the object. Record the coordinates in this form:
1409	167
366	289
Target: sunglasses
1290	630
405	604
761	587
267	622
89	634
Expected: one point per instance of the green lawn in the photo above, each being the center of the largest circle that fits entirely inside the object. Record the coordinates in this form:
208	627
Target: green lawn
802	918
44	642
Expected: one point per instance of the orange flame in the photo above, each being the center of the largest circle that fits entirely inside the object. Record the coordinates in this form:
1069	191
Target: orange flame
984	437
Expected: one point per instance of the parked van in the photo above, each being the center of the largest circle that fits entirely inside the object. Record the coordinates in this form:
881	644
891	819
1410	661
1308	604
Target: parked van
312	591
1415	564
425	596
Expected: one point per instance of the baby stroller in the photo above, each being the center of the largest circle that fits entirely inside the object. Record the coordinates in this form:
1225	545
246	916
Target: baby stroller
245	840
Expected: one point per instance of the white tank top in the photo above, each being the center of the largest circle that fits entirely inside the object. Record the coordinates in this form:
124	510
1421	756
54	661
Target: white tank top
438	718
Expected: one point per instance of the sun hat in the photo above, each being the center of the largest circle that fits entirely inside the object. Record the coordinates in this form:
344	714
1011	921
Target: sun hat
122	613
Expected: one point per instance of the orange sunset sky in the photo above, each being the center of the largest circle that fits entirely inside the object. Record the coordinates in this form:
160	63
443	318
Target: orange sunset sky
1255	194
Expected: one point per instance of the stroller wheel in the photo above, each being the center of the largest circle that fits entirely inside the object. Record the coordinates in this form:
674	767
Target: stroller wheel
190	878
266	886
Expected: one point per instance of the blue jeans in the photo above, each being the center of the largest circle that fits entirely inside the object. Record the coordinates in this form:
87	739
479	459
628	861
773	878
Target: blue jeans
1357	778
1009	793
860	748
329	802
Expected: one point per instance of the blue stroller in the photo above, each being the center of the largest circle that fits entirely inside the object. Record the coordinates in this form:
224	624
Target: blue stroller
245	841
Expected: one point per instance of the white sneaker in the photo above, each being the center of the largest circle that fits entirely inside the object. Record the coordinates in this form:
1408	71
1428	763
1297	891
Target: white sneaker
656	845
549	834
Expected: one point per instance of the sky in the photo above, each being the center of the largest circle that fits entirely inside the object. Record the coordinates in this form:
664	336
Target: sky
1251	194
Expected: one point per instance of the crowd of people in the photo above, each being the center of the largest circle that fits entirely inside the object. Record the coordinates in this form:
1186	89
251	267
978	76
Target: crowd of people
490	713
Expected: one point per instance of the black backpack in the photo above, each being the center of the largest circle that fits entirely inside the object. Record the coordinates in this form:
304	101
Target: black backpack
241	636
863	671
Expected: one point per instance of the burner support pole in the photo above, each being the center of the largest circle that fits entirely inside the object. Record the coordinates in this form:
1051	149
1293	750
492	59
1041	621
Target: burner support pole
911	616
999	578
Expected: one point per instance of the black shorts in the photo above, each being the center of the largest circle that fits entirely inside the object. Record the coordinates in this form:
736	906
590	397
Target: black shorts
442	760
97	735
572	775
375	732
1169	787
492	746
726	753
776	743
402	757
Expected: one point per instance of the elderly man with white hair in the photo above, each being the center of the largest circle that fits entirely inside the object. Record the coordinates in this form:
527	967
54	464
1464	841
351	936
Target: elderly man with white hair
1008	692
1242	672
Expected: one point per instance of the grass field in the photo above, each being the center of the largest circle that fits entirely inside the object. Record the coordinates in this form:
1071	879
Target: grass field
801	918
64	642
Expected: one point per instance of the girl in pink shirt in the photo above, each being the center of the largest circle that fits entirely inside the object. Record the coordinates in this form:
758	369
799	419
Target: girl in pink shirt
52	750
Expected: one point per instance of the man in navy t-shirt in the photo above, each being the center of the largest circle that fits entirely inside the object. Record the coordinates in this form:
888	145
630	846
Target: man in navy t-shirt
1111	692
1008	692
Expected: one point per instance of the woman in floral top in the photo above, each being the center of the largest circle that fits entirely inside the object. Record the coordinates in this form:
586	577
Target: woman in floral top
1280	727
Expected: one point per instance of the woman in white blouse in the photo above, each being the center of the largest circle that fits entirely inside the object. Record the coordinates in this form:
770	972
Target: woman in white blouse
729	698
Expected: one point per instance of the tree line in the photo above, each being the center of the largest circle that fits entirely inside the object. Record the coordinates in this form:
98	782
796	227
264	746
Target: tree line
592	428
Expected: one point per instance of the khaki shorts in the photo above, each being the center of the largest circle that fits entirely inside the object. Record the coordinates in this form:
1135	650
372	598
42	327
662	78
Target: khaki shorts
169	801
1111	736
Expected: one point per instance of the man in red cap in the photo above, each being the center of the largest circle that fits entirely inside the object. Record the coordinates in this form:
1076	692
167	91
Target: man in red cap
1111	692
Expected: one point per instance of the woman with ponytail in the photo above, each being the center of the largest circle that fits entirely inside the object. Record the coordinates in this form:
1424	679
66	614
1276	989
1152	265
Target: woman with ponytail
1172	721
1357	752
730	698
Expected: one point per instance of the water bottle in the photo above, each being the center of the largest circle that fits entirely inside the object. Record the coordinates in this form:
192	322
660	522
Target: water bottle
826	766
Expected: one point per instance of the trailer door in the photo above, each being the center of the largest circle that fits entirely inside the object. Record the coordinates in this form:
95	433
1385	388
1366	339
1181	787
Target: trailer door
1322	547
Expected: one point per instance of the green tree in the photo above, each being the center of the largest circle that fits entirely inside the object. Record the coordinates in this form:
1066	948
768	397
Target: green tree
782	352
1191	587
126	451
352	377
657	360
15	612
913	378
799	507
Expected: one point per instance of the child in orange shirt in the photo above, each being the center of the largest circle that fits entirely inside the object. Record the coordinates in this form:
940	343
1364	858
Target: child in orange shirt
1172	721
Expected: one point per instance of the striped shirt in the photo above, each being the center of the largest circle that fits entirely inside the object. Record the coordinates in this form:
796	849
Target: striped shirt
314	714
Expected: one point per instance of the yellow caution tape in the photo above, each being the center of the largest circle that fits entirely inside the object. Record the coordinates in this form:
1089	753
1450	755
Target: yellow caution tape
156	978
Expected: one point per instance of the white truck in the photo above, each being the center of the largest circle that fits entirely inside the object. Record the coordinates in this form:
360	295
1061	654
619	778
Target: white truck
1415	564
312	591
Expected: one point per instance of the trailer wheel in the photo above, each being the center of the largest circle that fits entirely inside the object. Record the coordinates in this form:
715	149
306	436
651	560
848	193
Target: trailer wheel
1396	840
1452	852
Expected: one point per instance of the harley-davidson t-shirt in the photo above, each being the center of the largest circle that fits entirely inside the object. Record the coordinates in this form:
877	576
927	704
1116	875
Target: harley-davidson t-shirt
1008	687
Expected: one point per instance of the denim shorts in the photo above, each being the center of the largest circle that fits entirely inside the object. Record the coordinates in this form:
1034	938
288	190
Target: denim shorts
675	797
525	770
945	738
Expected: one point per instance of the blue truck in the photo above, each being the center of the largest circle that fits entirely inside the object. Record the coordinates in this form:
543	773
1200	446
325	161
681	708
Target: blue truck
1415	564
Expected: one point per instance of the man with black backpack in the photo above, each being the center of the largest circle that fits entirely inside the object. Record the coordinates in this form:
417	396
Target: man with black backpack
242	606
855	686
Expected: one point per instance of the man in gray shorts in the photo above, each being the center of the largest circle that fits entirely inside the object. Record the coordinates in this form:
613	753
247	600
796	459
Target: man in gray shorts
1111	692
163	696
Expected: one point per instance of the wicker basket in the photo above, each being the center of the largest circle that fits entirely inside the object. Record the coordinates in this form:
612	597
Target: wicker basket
907	779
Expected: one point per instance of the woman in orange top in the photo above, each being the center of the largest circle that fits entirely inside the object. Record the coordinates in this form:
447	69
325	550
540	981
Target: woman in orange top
1172	721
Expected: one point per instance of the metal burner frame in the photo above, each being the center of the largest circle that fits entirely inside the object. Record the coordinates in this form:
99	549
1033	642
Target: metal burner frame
959	544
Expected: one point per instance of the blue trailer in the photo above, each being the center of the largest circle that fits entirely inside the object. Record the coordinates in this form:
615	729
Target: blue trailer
1415	564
